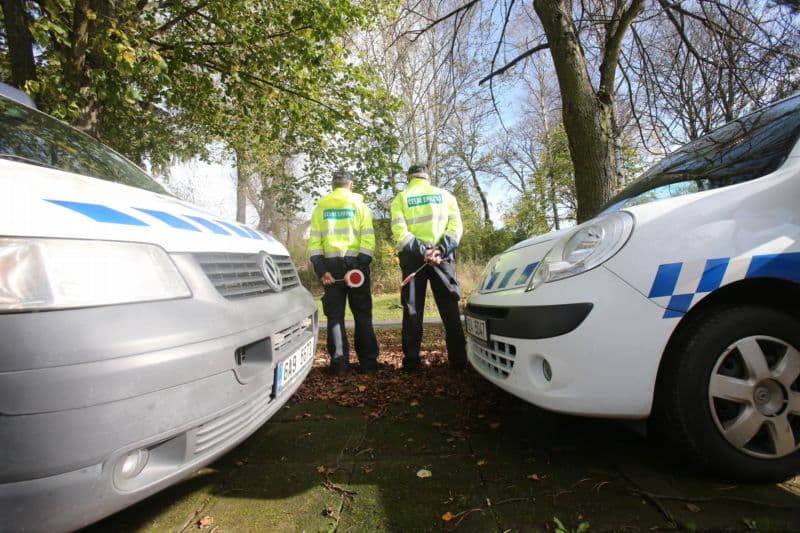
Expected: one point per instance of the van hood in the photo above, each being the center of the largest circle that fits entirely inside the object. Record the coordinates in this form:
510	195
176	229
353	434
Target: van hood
44	202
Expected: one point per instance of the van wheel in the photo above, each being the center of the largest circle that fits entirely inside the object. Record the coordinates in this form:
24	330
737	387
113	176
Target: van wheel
730	393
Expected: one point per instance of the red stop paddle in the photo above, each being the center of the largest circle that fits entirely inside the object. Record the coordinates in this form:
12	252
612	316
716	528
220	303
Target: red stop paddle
353	278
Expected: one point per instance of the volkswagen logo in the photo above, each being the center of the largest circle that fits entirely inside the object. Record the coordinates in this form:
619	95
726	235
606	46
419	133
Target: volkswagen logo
271	271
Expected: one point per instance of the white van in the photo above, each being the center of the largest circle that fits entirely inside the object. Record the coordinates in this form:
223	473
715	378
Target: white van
142	337
679	301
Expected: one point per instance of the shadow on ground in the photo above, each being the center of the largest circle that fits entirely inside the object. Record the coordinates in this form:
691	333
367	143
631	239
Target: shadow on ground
347	454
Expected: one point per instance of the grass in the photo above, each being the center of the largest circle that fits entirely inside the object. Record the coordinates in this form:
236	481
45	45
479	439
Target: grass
387	307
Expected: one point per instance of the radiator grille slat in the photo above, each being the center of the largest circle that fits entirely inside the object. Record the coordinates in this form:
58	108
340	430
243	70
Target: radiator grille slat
496	357
239	275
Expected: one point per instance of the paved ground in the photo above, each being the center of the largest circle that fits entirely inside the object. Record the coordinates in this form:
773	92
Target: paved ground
348	454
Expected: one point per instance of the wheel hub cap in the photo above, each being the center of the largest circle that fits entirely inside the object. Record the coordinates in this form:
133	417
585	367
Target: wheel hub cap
769	397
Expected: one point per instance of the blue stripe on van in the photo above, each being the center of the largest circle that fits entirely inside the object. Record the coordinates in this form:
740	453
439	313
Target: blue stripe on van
785	266
236	229
99	213
713	273
665	280
166	218
253	234
208	224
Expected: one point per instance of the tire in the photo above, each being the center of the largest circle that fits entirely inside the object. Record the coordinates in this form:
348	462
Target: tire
729	395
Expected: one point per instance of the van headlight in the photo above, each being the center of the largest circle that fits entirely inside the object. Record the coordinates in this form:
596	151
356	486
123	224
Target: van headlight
45	274
590	245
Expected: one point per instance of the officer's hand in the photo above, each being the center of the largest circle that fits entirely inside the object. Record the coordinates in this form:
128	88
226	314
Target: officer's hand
433	256
327	279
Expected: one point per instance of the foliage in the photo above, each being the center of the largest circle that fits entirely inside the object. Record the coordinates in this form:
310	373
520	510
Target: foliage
160	80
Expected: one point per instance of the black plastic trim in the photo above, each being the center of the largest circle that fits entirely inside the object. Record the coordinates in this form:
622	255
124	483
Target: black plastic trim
531	322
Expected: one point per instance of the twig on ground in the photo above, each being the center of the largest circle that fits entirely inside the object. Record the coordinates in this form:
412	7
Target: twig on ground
461	516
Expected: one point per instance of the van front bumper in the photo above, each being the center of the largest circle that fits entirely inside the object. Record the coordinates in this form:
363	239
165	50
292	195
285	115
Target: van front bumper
66	428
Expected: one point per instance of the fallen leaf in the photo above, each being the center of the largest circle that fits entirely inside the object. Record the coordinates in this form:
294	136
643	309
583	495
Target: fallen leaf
205	522
447	516
320	469
534	477
306	415
693	508
424	473
414	403
483	462
330	417
362	388
420	415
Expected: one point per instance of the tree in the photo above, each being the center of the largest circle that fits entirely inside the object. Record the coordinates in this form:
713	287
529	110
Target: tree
159	80
586	40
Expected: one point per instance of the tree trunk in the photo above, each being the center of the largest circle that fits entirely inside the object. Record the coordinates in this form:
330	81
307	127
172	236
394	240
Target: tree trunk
487	217
587	118
20	42
241	184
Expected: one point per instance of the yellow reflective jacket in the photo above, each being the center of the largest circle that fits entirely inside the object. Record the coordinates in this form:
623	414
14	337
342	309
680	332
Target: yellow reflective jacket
424	216
341	226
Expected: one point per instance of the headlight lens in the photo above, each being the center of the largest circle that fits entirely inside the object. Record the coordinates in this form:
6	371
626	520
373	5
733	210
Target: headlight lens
43	274
590	245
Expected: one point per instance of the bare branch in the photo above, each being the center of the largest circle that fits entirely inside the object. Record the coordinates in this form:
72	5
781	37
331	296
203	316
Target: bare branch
513	62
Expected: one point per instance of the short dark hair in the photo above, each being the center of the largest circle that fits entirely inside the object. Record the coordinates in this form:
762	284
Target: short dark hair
417	170
341	178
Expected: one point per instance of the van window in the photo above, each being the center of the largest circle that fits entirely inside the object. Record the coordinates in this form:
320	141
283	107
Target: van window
742	150
33	137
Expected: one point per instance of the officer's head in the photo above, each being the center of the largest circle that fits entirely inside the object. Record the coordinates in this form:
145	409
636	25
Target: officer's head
418	170
342	178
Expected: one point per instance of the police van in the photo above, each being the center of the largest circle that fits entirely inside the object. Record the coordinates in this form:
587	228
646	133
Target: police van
679	302
142	337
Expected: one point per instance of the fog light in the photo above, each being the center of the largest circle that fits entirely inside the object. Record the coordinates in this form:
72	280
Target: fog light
546	370
132	464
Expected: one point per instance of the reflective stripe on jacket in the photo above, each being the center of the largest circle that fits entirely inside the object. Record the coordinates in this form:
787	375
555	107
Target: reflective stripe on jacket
341	226
426	213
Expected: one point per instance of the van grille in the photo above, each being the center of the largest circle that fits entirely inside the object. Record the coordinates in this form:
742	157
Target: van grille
218	432
495	357
238	275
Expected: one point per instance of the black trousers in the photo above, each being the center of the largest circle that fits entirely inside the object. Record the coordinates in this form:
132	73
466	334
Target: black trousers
333	305
446	293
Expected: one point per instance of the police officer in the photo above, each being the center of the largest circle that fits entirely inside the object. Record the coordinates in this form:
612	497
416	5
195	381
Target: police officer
426	224
342	239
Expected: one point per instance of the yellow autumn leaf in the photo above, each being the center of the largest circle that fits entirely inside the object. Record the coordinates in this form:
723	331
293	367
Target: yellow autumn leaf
128	56
447	516
414	403
424	473
483	462
362	388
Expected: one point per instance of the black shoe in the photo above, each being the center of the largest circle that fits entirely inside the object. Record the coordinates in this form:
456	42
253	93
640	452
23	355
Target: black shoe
339	368
458	364
371	367
411	367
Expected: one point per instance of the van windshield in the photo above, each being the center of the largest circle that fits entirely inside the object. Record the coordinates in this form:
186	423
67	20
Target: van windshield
33	137
742	150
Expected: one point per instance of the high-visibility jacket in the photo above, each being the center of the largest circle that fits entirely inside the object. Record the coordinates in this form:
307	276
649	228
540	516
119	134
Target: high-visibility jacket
341	226
424	216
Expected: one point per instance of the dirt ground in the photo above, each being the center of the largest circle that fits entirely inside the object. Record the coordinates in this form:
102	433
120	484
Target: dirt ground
444	450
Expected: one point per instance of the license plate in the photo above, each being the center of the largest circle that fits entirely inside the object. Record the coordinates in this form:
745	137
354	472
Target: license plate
476	327
290	368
